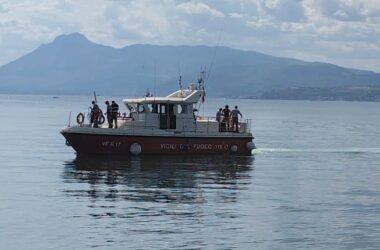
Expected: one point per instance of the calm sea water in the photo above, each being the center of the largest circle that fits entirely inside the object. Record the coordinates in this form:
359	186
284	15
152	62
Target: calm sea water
313	183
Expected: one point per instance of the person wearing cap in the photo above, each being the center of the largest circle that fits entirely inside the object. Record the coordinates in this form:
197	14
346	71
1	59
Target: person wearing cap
109	114
235	119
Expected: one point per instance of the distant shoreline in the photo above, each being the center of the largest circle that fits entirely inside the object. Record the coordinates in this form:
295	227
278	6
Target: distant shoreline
275	96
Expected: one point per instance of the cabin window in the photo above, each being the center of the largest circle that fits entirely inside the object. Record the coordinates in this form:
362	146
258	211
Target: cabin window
140	108
131	107
182	109
179	109
153	107
171	109
162	108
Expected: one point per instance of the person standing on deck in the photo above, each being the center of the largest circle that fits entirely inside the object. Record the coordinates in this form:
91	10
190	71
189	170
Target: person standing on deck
95	114
226	117
219	117
115	110
235	119
109	114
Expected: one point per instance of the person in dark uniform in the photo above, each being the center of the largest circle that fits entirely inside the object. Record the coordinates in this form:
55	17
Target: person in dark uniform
115	111
95	114
226	117
109	114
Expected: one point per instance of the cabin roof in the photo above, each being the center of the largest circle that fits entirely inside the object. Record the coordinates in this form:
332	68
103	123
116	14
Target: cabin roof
154	100
179	96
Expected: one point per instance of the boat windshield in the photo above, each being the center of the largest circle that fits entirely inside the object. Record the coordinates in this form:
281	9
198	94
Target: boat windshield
132	107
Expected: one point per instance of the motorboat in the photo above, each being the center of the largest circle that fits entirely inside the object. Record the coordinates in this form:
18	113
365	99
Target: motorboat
162	125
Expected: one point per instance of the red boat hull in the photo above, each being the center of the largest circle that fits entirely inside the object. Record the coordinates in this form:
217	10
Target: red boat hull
121	144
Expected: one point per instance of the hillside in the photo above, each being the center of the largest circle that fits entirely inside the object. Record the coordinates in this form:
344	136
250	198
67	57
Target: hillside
72	64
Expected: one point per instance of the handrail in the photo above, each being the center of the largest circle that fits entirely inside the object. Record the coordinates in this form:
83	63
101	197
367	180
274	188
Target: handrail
203	124
244	124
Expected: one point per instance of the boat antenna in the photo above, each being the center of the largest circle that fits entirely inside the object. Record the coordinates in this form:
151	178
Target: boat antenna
147	93
213	56
96	101
155	78
180	76
201	81
201	86
180	82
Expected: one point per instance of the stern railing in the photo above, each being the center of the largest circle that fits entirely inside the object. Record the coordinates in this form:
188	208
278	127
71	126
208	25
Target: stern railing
244	125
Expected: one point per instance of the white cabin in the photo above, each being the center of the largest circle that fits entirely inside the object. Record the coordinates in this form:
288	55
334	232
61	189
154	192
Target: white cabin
174	112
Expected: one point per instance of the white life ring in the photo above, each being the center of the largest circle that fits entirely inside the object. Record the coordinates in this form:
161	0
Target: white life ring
101	119
234	148
80	119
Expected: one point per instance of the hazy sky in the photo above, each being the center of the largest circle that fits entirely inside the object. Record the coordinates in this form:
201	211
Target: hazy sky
343	32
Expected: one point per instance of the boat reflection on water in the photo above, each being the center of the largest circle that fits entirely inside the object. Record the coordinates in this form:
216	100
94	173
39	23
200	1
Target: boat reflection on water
158	178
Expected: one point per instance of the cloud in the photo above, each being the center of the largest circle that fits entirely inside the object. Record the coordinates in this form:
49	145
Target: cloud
4	7
199	8
344	10
284	10
305	29
236	15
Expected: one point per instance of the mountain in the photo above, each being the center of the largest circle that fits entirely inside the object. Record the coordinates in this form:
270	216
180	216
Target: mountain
72	64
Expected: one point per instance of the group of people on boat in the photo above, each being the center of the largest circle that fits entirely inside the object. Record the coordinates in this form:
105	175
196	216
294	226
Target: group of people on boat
98	118
228	120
